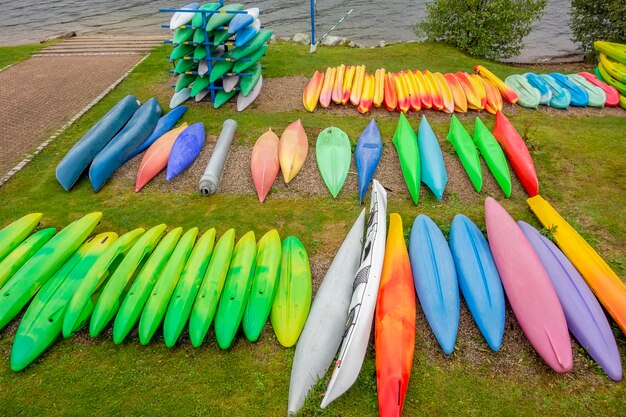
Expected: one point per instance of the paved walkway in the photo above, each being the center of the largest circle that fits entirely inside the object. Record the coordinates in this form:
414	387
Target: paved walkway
42	94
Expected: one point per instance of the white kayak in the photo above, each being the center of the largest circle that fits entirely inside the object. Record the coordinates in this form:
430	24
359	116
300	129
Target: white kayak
180	97
229	83
182	18
244	101
363	302
326	324
202	94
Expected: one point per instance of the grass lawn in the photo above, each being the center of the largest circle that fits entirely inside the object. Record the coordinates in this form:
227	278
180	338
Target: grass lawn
13	54
580	162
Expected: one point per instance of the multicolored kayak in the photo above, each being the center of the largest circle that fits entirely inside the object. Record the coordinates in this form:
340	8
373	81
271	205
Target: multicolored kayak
458	93
493	103
431	87
368	151
426	95
312	91
493	155
293	148
390	99
395	323
405	141
338	87
264	163
402	93
326	93
561	97
445	92
529	96
466	150
21	254
528	289
413	90
357	85
333	154
367	96
506	91
185	150
348	81
474	99
379	88
14	234
433	170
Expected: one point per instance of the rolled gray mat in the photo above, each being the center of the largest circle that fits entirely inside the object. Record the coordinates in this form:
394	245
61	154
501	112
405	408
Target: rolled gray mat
213	172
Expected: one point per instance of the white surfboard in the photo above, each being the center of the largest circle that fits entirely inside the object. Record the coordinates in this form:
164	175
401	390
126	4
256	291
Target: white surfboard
244	101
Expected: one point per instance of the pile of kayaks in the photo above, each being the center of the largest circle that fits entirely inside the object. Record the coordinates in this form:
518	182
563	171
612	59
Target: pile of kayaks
408	90
562	90
612	67
148	278
378	280
216	53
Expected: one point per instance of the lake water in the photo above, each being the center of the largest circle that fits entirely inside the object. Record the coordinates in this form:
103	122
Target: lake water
30	21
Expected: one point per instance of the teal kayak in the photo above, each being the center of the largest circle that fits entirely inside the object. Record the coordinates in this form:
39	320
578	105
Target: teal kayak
12	235
20	255
466	151
433	170
529	96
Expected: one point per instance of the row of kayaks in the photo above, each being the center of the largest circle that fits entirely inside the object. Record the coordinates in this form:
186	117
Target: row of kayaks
374	279
408	90
150	279
611	67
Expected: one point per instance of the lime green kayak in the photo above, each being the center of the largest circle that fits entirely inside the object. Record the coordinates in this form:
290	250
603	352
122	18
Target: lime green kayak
221	19
333	153
222	97
405	141
255	43
159	297
615	68
182	35
264	284
617	51
114	289
250	60
293	296
139	291
494	156
180	305
20	255
196	22
466	150
608	79
43	320
211	287
236	291
248	82
82	302
25	283
12	235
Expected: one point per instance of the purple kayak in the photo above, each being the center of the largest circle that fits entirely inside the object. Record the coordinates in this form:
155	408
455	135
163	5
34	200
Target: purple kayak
185	150
585	318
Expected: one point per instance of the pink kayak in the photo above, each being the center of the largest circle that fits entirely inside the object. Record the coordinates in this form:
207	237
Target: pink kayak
264	163
528	289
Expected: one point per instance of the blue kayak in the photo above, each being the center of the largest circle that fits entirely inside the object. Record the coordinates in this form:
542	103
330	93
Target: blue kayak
85	150
240	21
561	97
369	149
185	150
246	34
431	159
580	98
478	279
539	84
124	143
164	125
435	280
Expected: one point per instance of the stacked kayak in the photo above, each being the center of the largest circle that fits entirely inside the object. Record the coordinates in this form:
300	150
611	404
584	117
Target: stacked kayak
611	67
216	53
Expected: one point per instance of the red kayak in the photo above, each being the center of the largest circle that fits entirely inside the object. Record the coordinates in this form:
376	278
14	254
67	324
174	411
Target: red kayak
395	323
612	95
516	151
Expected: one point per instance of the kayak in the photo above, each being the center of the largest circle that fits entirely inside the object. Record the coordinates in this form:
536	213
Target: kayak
603	281
248	83
253	58
479	86
579	96
326	93
607	78
528	289
179	308
368	151
333	153
338	87
78	158
180	97
246	34
561	97
21	254
474	100
182	35
395	323
312	91
431	87
413	90
433	170
182	51
363	302
222	18
466	151
264	163
14	234
221	67
185	81
611	93
617	51
426	95
293	293
221	97
493	104
445	91
379	87
324	329
241	20
390	99
529	96
229	83
197	20
164	125
264	285
544	90
185	150
25	283
597	97
293	148
435	280
357	85
478	279
493	155
614	68
402	93
405	141
517	153
182	18
367	95
584	315
210	290
458	94
506	91
236	291
348	80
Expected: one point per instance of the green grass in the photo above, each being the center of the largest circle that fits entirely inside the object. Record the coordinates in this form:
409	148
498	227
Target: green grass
10	55
580	163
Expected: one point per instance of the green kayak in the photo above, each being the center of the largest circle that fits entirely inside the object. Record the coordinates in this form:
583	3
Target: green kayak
182	35
12	235
82	302
264	284
199	53
617	51
248	82
20	255
494	156
255	43
222	97
250	60
405	141
184	80
179	308
466	150
25	283
222	18
220	36
159	297
293	296
615	69
199	37
221	67
184	65
43	320
109	299
608	79
196	22
236	291
333	153
139	291
199	84
597	96
181	51
211	287
529	96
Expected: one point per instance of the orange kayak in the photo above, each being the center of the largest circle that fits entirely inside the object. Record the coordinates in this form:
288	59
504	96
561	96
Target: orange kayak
264	163
458	94
426	97
379	87
155	159
293	148
312	91
338	88
395	323
401	92
507	92
357	85
412	90
390	99
445	91
348	80
367	95
479	87
474	101
327	88
431	85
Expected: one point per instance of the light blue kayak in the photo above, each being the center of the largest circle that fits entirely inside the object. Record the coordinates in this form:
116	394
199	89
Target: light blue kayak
435	280
539	84
164	125
579	97
561	98
369	150
433	173
478	279
246	34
